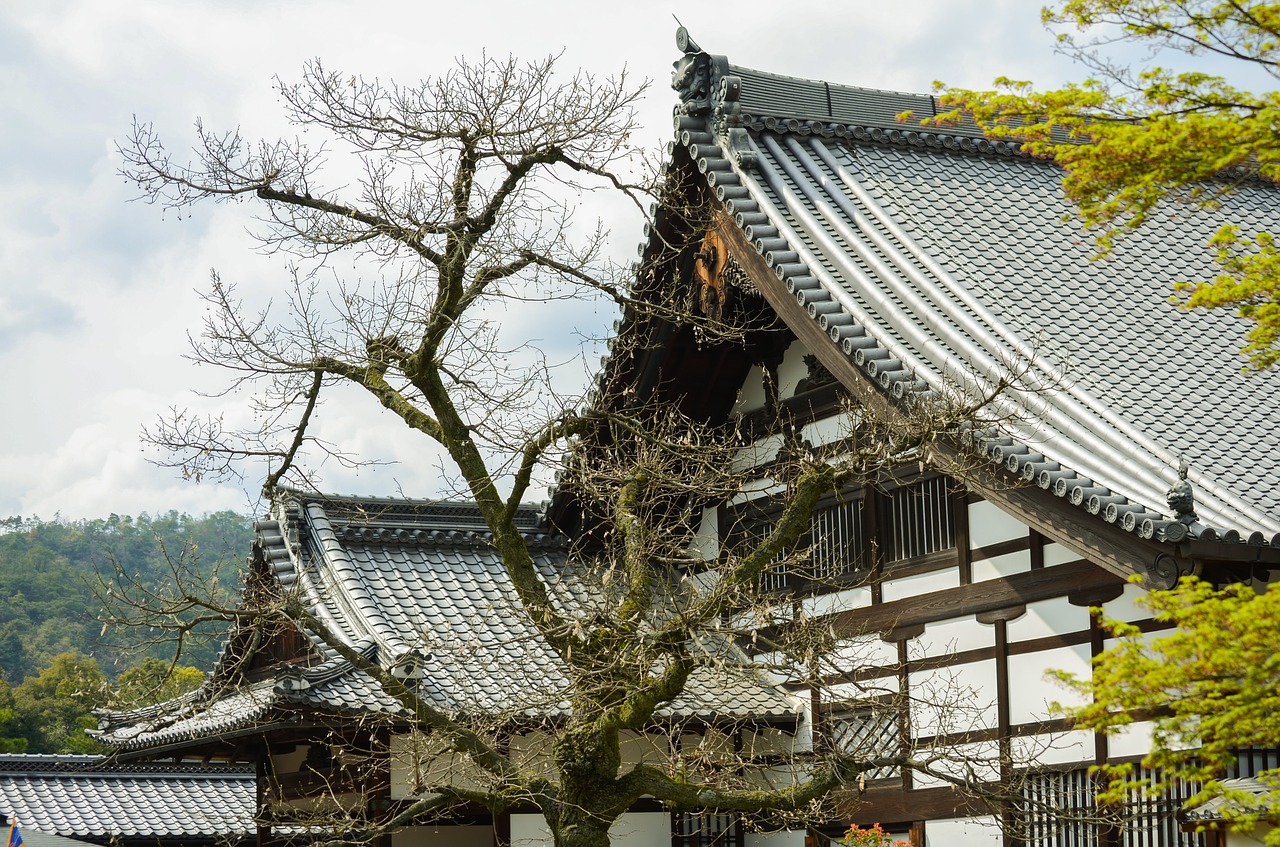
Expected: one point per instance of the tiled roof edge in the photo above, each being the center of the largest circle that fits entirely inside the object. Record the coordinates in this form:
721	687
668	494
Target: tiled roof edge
705	125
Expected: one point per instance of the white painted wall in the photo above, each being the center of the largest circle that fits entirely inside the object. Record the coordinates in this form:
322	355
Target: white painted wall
1001	566
634	829
953	636
989	525
953	699
1031	693
924	583
962	832
785	838
1048	617
836	601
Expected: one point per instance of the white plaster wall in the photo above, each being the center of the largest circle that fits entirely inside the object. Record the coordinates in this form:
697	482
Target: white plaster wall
641	829
828	429
1056	554
530	831
865	689
1131	740
785	838
836	601
1048	617
1126	607
751	395
706	543
640	747
953	636
443	836
1031	693
792	369
953	699
1000	566
864	651
1058	748
962	832
989	525
915	586
417	764
979	761
756	453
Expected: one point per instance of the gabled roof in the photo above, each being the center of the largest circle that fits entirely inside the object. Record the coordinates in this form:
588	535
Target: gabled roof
89	797
410	582
936	258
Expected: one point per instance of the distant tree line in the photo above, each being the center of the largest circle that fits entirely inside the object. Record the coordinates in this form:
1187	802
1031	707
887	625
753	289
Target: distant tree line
58	661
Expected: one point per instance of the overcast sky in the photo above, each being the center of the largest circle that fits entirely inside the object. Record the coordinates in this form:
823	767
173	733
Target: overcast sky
98	294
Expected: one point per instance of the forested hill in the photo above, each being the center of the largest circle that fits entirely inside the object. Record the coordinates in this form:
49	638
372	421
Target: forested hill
48	571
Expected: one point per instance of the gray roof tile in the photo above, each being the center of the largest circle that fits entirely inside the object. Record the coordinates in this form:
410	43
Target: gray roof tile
89	797
954	253
444	594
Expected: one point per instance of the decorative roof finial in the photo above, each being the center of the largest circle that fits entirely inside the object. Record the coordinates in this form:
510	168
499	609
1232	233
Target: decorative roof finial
684	41
1181	496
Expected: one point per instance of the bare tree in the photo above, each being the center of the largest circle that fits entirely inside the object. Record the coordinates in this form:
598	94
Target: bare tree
464	198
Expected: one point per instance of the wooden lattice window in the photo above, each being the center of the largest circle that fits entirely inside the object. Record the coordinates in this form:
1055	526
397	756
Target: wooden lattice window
1060	810
867	731
919	520
835	540
692	829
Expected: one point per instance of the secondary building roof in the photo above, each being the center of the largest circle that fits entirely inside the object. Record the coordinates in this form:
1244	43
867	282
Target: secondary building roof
415	586
936	260
89	798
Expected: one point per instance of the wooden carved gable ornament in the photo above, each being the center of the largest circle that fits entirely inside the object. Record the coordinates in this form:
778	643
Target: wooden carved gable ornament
715	275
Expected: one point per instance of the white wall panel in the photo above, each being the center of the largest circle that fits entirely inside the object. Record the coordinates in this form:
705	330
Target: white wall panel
792	369
1056	554
914	586
633	829
1059	748
641	829
864	651
952	636
1030	692
529	831
989	525
964	761
963	832
1131	740
1049	617
706	544
864	689
1126	607
785	838
837	601
751	395
953	699
998	566
829	429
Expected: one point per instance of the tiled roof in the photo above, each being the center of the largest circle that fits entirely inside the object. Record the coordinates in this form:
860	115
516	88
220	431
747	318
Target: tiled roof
403	581
88	797
937	258
1248	796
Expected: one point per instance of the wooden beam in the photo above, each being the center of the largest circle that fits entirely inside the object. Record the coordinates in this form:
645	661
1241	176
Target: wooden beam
986	596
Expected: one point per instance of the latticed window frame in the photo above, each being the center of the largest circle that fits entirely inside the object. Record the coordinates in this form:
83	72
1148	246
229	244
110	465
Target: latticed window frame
876	723
703	829
916	520
1061	811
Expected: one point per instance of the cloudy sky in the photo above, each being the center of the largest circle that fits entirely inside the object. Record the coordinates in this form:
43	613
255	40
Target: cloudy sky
98	293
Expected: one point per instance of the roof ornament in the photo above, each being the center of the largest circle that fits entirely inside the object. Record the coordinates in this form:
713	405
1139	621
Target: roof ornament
1181	496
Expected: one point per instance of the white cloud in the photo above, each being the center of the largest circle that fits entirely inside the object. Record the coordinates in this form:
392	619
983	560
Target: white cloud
97	293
